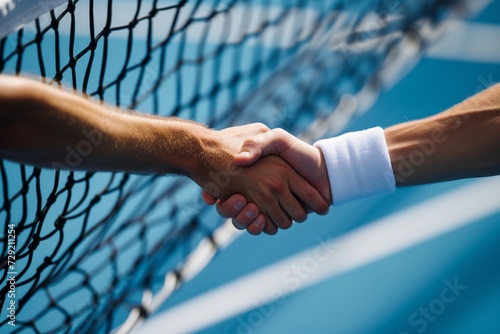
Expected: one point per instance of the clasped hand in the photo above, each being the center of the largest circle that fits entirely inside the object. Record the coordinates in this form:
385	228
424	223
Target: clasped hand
278	179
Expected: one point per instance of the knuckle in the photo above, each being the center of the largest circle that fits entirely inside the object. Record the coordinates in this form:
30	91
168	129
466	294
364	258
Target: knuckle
280	135
261	127
310	192
279	131
276	187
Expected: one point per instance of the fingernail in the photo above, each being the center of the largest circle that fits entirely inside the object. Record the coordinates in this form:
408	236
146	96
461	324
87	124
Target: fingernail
251	214
239	205
245	154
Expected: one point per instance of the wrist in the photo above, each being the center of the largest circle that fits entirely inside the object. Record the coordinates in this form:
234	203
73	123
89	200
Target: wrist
161	145
206	157
217	168
189	146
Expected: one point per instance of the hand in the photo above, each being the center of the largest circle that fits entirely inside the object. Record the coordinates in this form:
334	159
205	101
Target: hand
270	182
307	160
244	215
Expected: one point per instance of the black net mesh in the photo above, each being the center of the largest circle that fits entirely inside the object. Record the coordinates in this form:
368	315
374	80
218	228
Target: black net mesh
90	244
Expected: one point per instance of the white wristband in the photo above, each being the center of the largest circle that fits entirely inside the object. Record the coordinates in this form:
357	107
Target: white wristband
358	165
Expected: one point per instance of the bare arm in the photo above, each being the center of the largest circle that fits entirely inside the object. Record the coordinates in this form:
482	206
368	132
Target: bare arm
461	142
49	127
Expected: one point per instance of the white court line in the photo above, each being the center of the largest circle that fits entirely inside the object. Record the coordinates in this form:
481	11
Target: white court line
473	42
16	13
365	245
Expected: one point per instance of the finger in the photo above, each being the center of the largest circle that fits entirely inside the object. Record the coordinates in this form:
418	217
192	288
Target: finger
272	142
246	216
257	226
232	206
270	228
249	154
305	206
279	217
207	198
293	208
308	194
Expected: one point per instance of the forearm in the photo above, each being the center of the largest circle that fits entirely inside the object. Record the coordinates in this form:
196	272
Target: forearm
49	127
461	142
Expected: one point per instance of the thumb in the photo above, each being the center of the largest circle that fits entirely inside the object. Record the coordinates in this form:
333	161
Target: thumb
250	152
261	145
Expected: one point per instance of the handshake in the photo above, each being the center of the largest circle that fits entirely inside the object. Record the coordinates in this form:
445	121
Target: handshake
266	179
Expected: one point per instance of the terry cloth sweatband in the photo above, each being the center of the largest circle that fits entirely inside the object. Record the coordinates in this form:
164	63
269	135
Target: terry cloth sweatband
358	165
